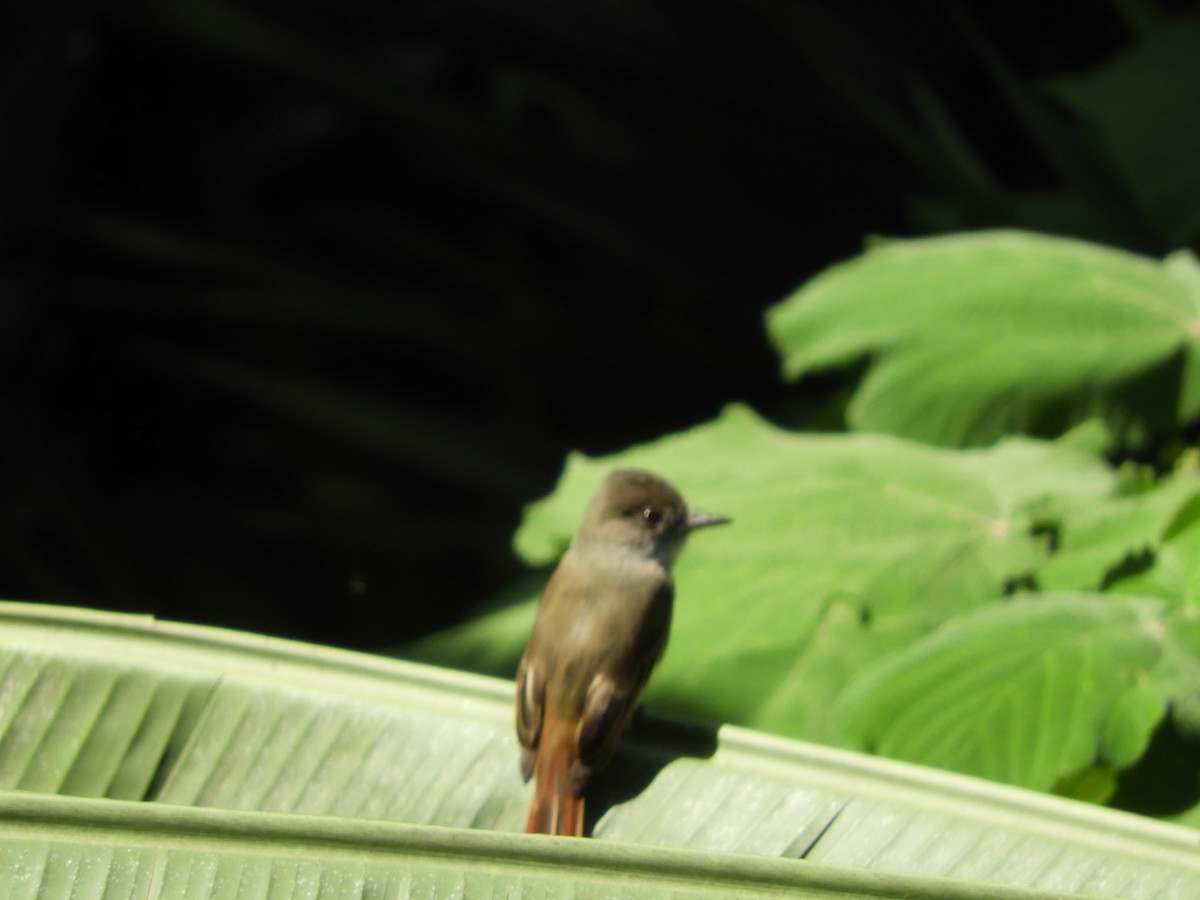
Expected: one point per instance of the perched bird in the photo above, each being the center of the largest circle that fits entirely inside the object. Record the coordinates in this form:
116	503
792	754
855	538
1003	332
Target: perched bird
601	626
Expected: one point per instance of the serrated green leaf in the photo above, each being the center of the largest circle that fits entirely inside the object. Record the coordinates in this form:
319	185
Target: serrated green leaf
1185	516
1026	692
843	548
1172	570
860	551
974	336
1181	669
1097	536
1136	713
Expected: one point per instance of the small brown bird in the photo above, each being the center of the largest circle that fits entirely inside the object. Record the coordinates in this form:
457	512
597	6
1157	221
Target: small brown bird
601	626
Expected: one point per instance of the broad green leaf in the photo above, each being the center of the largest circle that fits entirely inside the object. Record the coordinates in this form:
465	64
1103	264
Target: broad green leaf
315	746
1025	692
1142	105
843	548
1171	569
53	847
973	336
244	722
1098	538
1172	573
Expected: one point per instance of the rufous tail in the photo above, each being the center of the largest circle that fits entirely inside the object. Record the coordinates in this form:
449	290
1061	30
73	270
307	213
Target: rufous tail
555	808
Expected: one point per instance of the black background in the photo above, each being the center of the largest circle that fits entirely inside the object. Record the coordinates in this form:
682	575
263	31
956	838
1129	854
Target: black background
301	302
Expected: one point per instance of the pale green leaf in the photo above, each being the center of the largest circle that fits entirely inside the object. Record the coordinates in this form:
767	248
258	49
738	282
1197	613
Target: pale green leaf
1097	537
973	336
53	848
1171	568
368	736
1025	692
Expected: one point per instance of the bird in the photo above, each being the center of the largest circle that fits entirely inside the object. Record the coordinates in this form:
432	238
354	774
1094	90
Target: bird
601	626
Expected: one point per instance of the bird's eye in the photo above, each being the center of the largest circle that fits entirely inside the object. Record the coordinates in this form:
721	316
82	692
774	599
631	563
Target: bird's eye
651	515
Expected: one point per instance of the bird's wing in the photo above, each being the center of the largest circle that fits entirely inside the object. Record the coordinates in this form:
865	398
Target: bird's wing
612	696
531	704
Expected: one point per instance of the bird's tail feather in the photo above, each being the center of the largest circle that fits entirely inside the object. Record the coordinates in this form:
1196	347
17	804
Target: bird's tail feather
555	808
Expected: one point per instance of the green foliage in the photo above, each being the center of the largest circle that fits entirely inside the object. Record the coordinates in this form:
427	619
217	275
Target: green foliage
141	758
973	336
1023	692
863	587
1024	611
876	593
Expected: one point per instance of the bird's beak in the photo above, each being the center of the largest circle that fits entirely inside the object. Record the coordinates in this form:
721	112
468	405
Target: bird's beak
697	519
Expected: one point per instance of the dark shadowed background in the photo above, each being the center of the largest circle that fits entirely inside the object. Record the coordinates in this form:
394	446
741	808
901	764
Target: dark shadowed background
301	302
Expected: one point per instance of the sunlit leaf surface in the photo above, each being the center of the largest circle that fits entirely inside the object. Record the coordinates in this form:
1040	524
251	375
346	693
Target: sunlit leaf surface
972	336
281	769
864	596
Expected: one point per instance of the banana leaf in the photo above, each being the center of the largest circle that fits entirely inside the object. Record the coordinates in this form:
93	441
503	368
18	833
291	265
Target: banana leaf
144	758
